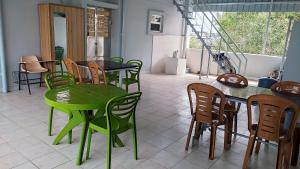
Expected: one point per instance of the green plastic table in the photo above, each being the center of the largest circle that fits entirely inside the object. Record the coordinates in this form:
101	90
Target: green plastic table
80	100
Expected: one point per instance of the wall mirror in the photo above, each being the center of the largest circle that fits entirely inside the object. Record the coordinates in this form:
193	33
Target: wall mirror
60	38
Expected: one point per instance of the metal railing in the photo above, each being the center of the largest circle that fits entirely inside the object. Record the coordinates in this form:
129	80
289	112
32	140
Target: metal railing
187	9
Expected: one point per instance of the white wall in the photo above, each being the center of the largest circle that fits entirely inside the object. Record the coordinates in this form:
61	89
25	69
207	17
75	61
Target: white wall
258	65
292	65
162	48
60	32
137	44
194	58
21	31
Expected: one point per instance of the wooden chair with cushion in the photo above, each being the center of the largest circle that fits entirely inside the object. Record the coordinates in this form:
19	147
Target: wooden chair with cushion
273	113
206	112
232	108
73	68
97	73
290	87
30	65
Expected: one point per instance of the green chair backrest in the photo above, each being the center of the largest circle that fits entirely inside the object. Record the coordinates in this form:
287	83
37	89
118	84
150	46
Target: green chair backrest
59	79
117	59
135	72
122	107
59	53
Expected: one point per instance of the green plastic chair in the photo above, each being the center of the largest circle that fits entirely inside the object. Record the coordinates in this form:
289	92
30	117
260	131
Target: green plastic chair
59	54
133	74
119	117
114	76
54	80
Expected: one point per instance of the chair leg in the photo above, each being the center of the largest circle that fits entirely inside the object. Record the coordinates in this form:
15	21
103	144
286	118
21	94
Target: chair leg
41	79
28	84
126	87
61	67
235	123
50	118
19	77
296	146
135	141
90	133
249	149
108	151
212	142
257	148
287	154
198	130
189	134
227	134
139	86
280	155
70	132
229	129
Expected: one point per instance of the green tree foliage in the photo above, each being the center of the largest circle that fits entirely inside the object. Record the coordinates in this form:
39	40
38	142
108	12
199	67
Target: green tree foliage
248	31
194	43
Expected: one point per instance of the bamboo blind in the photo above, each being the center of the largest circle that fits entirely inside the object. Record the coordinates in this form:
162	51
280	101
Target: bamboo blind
98	22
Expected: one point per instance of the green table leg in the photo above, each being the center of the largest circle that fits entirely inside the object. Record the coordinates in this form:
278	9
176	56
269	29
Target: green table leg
85	127
119	141
73	122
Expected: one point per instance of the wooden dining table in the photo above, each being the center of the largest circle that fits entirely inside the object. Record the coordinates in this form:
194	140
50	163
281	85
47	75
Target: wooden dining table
242	94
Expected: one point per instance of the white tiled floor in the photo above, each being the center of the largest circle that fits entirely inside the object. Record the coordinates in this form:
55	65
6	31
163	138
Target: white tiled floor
163	118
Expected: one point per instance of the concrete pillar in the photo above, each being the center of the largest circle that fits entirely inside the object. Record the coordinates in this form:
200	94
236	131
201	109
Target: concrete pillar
3	79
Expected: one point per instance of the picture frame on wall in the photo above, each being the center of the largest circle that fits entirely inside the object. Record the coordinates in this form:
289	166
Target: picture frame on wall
155	22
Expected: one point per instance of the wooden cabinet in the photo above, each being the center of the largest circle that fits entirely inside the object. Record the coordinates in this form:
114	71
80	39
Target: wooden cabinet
74	30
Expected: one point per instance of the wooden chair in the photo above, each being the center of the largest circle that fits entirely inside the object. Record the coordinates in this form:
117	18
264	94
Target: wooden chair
74	69
296	146
290	87
232	79
30	65
287	87
273	110
206	112
94	69
232	108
